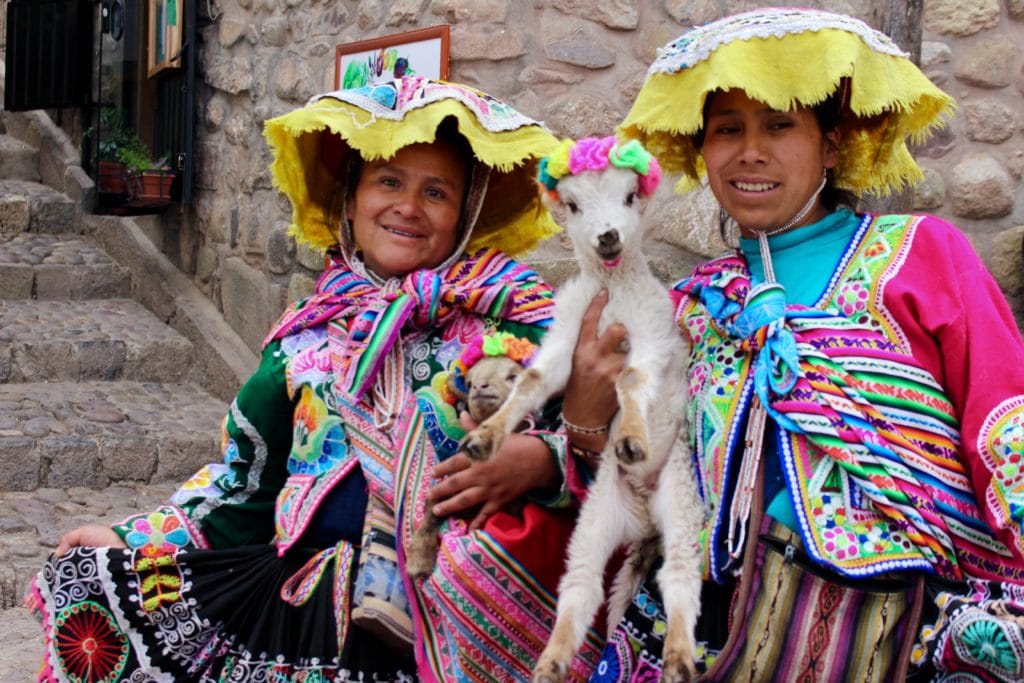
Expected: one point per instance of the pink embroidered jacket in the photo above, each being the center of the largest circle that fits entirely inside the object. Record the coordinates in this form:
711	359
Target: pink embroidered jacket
916	328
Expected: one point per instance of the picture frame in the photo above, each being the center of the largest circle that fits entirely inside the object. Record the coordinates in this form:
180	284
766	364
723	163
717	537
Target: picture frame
420	52
165	19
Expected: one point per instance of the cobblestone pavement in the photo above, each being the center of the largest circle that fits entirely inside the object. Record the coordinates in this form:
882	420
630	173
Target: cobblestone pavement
30	525
68	266
35	249
60	434
104	339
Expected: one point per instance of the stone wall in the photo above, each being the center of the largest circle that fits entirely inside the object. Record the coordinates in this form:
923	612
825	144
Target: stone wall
575	64
975	51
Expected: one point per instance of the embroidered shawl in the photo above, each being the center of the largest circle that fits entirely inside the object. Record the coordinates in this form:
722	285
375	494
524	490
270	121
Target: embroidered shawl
869	441
488	284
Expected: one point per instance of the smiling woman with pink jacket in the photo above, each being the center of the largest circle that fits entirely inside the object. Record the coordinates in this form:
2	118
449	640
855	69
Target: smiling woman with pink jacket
856	381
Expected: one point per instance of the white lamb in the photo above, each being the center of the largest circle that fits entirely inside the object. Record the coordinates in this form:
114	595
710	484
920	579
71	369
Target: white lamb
645	484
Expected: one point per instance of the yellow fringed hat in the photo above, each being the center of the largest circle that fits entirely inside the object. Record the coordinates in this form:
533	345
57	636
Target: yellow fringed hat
311	147
785	57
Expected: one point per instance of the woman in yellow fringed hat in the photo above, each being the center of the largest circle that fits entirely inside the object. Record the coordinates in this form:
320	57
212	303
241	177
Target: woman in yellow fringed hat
856	381
286	560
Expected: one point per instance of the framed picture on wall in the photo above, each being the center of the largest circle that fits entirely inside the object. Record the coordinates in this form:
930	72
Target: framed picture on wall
423	52
164	47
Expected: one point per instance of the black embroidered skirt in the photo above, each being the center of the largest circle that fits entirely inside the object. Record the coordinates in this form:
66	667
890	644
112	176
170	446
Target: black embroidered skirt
200	615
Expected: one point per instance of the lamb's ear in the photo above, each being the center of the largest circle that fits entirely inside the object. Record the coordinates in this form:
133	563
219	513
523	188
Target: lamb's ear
641	198
551	200
640	203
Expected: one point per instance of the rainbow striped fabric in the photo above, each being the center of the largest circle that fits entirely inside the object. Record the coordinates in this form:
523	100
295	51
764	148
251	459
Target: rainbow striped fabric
488	283
868	439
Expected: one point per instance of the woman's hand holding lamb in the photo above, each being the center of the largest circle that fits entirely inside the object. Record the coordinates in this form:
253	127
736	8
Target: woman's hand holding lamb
590	400
522	464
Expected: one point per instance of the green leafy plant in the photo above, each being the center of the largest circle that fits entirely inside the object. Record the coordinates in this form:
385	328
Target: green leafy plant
114	133
137	159
120	144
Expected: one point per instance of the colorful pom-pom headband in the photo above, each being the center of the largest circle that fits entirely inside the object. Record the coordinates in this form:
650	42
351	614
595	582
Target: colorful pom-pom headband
498	344
595	154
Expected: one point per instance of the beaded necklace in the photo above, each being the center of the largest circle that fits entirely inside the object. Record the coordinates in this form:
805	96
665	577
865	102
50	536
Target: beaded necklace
750	463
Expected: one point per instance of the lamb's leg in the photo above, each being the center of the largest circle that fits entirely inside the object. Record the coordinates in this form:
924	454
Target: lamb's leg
599	530
531	390
680	513
632	442
422	552
628	579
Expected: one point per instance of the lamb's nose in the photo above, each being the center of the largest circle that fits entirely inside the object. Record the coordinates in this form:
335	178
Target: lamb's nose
608	239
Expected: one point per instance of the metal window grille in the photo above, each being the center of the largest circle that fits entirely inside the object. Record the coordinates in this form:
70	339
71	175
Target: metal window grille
48	54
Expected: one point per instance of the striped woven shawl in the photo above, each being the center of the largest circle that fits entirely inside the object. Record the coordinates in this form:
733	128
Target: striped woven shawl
488	283
842	390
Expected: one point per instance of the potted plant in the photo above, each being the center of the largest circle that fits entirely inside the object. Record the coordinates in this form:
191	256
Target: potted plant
126	165
114	135
149	179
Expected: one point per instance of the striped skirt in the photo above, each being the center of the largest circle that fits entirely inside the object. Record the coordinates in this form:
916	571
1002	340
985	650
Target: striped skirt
799	623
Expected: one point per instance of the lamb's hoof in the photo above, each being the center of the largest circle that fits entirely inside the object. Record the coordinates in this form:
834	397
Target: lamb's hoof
479	444
678	670
630	450
549	671
422	555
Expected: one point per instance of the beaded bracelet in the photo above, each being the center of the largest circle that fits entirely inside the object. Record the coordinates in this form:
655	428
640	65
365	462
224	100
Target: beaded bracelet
584	453
583	430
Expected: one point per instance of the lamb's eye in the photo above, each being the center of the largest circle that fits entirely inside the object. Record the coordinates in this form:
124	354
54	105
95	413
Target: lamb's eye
572	207
511	377
630	198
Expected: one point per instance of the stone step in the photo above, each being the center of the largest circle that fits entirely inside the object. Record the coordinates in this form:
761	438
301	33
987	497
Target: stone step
27	206
102	339
44	266
18	160
92	434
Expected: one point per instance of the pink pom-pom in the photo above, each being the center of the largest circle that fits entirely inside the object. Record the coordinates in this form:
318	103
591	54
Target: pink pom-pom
473	352
590	154
649	183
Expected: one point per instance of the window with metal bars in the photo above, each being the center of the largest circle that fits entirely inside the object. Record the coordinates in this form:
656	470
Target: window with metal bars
48	54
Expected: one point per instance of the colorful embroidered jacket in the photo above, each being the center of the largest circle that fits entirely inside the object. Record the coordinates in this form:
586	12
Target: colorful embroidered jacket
330	395
295	429
898	399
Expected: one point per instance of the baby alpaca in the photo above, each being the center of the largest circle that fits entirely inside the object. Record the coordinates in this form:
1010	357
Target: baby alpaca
645	484
481	379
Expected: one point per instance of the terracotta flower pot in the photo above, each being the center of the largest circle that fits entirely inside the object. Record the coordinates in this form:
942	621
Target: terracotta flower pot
111	178
151	188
